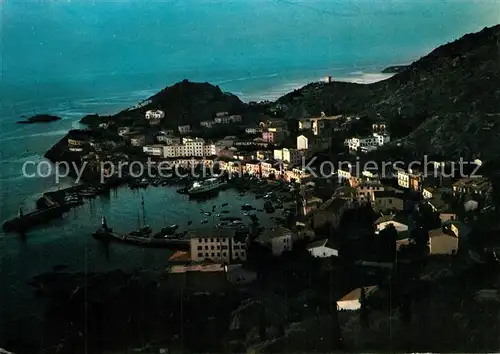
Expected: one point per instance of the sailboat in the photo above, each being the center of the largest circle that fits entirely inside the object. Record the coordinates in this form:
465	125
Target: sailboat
142	230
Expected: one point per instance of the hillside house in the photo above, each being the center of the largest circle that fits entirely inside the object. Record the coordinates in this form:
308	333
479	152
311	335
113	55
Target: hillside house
386	201
322	249
352	301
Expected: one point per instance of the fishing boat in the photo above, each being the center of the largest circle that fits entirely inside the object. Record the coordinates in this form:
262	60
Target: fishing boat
142	230
269	207
247	207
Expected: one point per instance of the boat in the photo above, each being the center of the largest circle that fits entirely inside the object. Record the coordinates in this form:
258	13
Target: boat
204	221
169	230
88	192
142	230
268	206
206	186
207	213
143	183
247	207
225	204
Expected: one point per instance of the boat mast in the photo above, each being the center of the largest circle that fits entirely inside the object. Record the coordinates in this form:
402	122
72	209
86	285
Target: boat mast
143	211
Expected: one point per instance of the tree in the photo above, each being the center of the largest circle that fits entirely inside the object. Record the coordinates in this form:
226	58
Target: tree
364	312
387	244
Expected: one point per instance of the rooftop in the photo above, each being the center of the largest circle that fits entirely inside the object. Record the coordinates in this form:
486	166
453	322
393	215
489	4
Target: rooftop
208	268
273	232
401	218
478	183
356	293
387	194
439	204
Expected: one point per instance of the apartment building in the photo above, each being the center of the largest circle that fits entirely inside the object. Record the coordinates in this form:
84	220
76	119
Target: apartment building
218	245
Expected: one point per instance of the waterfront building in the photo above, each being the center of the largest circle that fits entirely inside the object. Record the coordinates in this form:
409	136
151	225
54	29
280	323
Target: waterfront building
195	147
153	150
279	239
291	156
218	245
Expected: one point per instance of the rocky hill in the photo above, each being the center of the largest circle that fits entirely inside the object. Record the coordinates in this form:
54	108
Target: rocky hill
457	82
183	103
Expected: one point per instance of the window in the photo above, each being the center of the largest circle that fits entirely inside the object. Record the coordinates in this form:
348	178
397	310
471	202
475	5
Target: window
211	240
213	254
206	240
200	255
200	240
236	247
212	248
200	248
223	254
218	247
206	247
390	201
218	254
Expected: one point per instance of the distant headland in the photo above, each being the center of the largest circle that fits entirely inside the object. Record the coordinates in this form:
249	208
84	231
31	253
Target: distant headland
40	118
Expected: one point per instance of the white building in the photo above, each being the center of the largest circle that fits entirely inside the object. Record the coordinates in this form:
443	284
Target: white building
278	238
399	221
252	130
207	123
153	150
352	301
321	249
155	114
291	156
123	131
367	143
184	129
191	148
138	140
168	139
302	142
382	138
220	245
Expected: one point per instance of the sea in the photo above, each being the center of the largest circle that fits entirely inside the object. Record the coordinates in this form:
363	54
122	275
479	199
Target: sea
76	57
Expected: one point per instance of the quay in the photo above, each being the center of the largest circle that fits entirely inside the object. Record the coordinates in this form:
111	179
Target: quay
54	204
106	234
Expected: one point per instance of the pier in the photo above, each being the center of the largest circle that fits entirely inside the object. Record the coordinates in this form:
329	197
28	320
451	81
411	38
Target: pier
54	204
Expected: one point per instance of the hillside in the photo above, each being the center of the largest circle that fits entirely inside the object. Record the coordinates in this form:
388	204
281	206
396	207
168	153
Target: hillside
183	103
458	79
